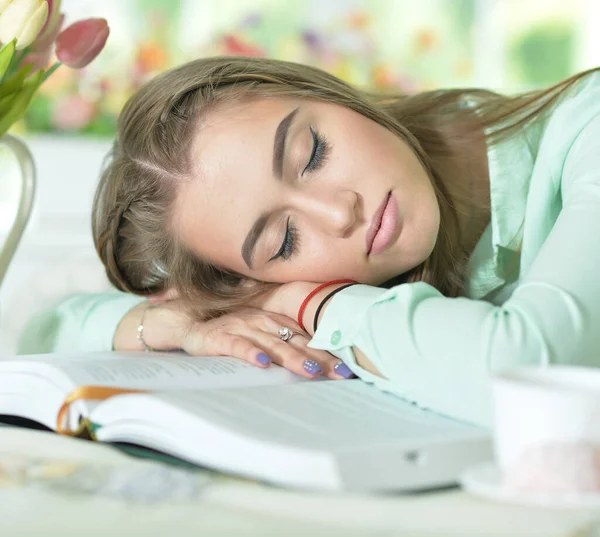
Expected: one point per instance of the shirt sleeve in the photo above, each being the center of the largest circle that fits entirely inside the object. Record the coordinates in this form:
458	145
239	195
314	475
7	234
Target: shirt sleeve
82	322
439	352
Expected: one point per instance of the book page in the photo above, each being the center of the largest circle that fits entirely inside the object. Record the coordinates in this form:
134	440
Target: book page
35	386
178	372
321	415
332	434
156	371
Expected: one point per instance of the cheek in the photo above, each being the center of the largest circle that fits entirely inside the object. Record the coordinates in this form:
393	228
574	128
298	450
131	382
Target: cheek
422	222
322	260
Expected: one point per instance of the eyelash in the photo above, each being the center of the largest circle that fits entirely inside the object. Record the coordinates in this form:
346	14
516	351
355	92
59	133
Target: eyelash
319	155
290	244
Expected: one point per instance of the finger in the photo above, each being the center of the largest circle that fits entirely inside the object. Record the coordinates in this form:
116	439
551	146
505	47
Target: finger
272	322
221	343
294	358
263	330
332	367
247	350
250	341
306	362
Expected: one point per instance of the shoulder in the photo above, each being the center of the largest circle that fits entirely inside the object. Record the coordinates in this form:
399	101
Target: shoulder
568	119
574	111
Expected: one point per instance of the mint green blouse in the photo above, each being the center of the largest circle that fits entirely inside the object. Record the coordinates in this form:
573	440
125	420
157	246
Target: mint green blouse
532	295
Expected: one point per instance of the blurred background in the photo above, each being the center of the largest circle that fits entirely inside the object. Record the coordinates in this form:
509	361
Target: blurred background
505	45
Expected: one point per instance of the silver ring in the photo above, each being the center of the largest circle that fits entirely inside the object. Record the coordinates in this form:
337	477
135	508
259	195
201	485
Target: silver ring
285	334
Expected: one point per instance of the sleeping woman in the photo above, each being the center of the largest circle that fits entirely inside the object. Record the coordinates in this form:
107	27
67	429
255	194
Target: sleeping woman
269	211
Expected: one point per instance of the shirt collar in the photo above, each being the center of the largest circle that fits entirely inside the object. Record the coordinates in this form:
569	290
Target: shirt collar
495	259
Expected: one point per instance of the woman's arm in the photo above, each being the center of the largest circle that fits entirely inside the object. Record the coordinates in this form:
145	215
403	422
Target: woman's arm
439	351
109	321
82	322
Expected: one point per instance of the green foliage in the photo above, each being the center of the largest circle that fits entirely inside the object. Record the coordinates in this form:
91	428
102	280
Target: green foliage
14	83
105	125
20	101
39	115
6	55
545	53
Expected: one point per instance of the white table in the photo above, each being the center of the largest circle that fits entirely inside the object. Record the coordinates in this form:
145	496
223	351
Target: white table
233	507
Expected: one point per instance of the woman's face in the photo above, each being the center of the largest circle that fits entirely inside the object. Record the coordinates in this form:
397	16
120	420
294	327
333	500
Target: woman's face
297	190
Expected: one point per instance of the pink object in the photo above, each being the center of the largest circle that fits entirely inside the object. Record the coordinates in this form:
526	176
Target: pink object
234	45
47	37
80	43
39	60
556	468
383	227
73	113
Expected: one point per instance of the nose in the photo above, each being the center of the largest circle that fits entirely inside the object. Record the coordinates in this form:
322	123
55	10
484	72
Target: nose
335	212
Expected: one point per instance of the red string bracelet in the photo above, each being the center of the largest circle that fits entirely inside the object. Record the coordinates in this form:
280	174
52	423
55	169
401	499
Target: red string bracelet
312	294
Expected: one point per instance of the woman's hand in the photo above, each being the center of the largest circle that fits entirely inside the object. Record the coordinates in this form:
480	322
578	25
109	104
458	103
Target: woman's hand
287	299
250	334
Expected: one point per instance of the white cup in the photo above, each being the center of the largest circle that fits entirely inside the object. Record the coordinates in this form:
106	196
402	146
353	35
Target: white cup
536	406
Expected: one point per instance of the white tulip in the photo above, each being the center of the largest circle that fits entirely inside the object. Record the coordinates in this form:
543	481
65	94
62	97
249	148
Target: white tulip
3	4
22	19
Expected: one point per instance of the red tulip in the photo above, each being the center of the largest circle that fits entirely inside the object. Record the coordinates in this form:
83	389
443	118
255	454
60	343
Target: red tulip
80	43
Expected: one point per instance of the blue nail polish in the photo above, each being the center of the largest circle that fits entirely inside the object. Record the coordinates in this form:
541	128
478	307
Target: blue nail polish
263	359
312	367
342	369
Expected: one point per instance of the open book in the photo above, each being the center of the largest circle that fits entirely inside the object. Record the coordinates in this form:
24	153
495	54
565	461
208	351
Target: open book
266	424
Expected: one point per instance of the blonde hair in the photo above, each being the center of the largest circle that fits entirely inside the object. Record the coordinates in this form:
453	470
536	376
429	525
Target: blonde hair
132	213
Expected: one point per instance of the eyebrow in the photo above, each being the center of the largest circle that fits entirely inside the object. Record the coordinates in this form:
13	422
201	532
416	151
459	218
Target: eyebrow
278	159
279	142
252	238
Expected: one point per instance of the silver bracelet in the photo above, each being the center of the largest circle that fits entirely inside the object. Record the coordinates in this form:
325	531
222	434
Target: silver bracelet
140	329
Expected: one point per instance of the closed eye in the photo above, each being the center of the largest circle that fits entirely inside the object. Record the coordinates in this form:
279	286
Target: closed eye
319	154
289	246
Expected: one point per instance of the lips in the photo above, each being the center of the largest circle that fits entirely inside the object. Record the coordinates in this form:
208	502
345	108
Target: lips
383	226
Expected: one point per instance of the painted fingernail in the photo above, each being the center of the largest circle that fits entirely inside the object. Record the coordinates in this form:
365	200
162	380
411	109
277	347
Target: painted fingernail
342	369
263	359
312	367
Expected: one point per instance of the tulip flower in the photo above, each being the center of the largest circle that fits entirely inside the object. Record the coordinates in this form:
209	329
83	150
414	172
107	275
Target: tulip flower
41	49
22	20
3	4
53	14
50	30
80	43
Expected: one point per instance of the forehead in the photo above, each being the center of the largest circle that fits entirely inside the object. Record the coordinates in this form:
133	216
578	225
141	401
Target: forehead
232	131
231	119
229	154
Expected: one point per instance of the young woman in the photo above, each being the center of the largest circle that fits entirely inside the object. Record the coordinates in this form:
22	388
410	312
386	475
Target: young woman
467	219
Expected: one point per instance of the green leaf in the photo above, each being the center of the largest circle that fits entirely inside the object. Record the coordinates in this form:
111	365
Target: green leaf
6	54
15	82
21	102
6	103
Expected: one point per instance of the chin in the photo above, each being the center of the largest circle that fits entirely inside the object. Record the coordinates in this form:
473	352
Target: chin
396	277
